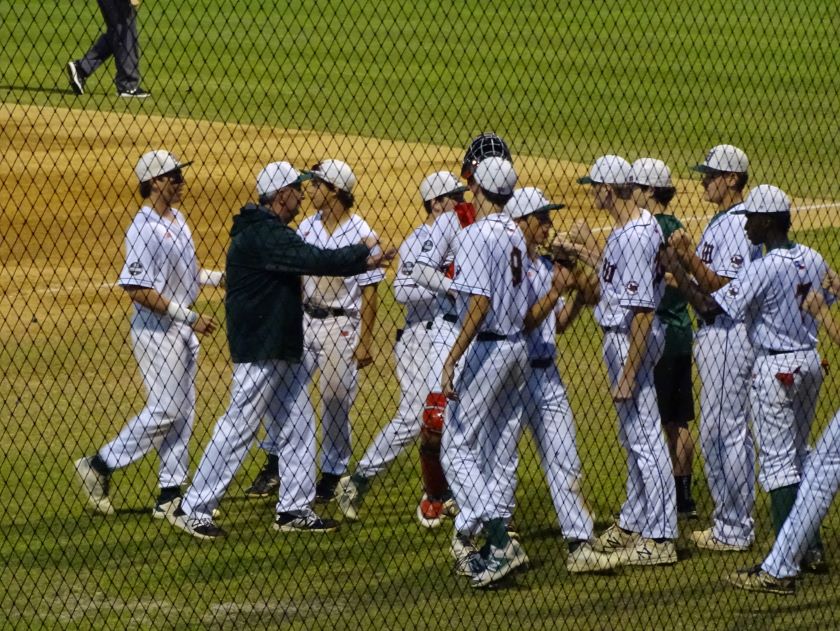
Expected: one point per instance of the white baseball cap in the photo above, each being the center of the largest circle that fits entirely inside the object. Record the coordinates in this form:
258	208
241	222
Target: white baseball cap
608	169
527	201
724	159
440	184
651	172
765	199
337	173
156	163
278	175
496	175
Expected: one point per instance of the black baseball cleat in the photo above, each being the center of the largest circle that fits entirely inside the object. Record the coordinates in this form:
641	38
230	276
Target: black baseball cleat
266	483
305	520
325	488
134	93
813	562
77	84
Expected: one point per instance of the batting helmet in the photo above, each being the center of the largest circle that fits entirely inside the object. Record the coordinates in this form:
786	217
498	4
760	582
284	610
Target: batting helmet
487	145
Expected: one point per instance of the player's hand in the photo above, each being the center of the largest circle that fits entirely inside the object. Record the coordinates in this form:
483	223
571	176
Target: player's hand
382	259
362	356
205	325
831	282
682	243
671	280
669	258
563	279
623	389
814	302
564	250
447	382
371	241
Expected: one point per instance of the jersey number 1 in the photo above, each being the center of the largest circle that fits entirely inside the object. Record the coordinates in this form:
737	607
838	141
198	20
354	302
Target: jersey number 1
516	266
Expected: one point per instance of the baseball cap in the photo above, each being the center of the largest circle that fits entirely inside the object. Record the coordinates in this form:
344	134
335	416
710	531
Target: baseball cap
608	169
496	175
335	172
278	175
439	184
483	146
527	201
765	199
156	163
651	172
724	159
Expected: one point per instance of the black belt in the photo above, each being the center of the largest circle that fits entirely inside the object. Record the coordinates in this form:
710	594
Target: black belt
450	317
546	362
611	329
427	325
773	352
322	313
489	336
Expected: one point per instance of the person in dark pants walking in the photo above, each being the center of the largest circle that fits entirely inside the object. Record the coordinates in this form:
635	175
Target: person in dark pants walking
119	41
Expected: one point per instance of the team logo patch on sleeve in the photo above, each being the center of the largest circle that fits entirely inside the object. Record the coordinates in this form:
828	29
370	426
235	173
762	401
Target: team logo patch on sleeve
733	290
737	260
427	246
632	287
135	268
407	268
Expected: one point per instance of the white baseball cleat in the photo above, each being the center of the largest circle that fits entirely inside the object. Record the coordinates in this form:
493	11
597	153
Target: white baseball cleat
615	538
650	552
95	485
166	509
348	498
586	559
706	540
500	562
468	561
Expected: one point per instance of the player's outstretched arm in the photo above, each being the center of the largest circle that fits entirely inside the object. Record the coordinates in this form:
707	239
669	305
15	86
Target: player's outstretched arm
363	354
569	312
699	299
708	281
562	280
211	278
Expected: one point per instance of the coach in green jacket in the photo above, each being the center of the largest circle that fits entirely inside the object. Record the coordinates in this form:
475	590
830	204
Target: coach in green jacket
270	375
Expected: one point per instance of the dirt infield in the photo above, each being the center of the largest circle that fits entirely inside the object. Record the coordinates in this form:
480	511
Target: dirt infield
68	177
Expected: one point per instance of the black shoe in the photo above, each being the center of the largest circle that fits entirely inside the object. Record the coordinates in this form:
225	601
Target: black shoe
325	488
814	562
688	510
77	84
304	521
134	93
266	483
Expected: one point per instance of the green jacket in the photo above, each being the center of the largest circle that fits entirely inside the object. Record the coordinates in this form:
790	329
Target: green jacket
263	304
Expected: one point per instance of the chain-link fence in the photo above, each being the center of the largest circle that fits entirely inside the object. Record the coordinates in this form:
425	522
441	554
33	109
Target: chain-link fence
226	406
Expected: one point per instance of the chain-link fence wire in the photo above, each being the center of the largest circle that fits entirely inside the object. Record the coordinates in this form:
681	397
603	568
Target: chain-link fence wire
98	396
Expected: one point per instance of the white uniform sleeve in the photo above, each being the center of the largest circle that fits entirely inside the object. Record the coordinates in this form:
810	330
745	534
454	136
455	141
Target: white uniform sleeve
733	250
373	276
736	297
435	250
141	268
472	265
406	290
430	278
638	269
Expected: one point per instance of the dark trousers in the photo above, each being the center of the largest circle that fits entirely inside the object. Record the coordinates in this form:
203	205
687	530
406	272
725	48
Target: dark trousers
119	40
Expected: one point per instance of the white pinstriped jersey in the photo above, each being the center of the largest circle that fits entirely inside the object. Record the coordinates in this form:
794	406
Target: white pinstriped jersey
331	291
542	342
160	255
437	250
491	259
420	303
724	246
631	277
768	294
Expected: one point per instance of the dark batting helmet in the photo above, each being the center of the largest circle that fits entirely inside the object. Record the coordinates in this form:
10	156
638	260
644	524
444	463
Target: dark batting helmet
487	145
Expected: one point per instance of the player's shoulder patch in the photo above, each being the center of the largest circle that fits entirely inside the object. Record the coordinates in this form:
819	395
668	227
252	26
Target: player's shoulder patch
135	268
632	287
406	268
737	261
427	246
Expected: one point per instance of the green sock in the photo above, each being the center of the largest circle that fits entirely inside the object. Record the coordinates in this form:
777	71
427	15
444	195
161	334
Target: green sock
497	532
781	501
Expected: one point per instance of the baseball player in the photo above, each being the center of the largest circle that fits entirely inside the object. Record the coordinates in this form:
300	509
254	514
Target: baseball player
654	191
271	373
545	406
161	275
482	424
433	271
723	354
787	374
413	351
120	41
820	480
631	287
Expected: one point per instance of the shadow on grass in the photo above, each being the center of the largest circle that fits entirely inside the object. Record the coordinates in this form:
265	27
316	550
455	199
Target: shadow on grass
37	89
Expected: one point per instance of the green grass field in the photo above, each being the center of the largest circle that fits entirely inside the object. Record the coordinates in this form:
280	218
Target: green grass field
562	81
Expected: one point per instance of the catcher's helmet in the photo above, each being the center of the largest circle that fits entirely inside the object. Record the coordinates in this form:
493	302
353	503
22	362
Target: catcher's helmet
486	145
